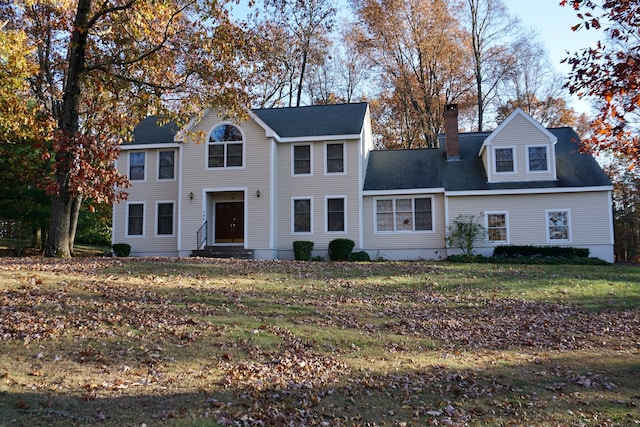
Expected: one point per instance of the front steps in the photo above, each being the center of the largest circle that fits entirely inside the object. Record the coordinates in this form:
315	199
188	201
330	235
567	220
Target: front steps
237	252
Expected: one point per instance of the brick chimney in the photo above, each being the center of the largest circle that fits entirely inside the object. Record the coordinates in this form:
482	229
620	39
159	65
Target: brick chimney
451	132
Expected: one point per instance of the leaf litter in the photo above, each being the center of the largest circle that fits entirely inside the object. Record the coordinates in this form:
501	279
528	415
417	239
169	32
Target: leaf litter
298	381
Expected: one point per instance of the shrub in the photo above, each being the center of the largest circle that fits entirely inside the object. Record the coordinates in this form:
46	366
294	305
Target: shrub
121	249
302	250
359	256
510	251
317	258
340	249
464	232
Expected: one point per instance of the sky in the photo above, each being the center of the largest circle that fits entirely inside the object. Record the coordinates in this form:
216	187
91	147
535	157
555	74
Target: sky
552	24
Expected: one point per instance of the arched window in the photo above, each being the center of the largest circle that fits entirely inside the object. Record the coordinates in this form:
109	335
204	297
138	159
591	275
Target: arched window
225	147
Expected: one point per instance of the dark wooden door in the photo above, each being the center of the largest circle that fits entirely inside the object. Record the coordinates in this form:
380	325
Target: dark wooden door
229	222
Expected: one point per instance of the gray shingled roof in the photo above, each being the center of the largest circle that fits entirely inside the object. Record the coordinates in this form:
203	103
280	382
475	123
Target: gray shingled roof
428	168
315	120
148	132
294	122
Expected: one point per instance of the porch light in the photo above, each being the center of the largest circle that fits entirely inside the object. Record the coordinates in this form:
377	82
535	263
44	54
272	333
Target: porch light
191	195
258	193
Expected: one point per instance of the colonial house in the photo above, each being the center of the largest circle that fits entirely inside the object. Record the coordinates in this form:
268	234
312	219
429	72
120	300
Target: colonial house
311	173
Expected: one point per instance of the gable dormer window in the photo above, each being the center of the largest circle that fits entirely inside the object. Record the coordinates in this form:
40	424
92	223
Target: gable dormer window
504	160
537	159
225	147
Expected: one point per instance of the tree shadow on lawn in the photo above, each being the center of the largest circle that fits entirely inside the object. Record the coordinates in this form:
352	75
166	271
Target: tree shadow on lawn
539	389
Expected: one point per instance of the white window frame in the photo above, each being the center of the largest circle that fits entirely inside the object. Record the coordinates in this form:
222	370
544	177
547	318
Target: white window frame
144	220
293	216
173	218
326	214
506	225
174	165
495	160
144	172
344	158
225	143
546	147
293	160
413	211
547	226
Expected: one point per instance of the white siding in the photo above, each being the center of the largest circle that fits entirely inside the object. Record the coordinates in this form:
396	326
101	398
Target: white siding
318	187
253	176
590	214
377	242
148	192
519	134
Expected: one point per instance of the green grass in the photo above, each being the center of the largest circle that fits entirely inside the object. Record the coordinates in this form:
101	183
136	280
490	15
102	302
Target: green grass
192	342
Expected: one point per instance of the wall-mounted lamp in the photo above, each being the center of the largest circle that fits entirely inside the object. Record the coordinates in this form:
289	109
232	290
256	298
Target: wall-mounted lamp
191	195
258	193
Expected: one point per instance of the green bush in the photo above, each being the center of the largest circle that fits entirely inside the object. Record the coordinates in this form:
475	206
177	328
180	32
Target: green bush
511	251
302	250
121	249
340	249
359	256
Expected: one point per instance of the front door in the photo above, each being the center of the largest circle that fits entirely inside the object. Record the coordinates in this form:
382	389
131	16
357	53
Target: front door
229	222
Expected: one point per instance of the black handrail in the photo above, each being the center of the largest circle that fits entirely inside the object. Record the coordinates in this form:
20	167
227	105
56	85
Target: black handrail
201	235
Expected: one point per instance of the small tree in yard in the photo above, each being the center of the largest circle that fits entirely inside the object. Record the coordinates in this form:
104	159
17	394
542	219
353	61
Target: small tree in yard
464	232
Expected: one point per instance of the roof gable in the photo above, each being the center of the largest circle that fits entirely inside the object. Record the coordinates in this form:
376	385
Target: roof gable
517	113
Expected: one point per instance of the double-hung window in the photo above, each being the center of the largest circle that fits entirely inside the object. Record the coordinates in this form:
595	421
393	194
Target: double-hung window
135	219
497	227
504	160
165	219
404	214
166	164
302	215
335	158
537	159
136	165
302	159
225	147
558	226
336	214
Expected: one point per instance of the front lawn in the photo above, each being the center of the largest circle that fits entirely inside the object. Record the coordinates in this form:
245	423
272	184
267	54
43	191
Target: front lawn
196	342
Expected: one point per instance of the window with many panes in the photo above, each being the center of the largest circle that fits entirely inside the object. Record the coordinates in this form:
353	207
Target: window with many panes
558	225
335	158
225	147
302	159
497	227
504	159
537	159
166	165
302	215
335	214
165	219
404	214
136	165
135	219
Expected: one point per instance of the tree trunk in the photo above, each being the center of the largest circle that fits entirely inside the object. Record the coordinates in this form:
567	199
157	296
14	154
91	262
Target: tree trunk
59	241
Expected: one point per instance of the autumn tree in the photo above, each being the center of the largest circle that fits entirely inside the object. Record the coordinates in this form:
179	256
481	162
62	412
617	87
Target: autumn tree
534	86
420	51
23	127
105	65
491	30
609	72
297	36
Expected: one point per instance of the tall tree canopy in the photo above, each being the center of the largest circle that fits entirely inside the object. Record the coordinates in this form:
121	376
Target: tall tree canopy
610	73
104	65
421	52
